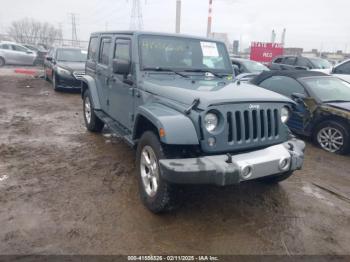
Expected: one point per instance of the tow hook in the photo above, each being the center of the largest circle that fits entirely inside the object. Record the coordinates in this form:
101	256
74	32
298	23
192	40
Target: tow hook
229	158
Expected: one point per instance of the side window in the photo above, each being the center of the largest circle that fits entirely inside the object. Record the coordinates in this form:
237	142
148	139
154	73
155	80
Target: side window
289	60
278	60
104	51
122	49
93	48
283	85
5	46
302	61
19	48
343	69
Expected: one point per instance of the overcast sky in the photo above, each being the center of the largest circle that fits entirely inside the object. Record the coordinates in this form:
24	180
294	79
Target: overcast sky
321	24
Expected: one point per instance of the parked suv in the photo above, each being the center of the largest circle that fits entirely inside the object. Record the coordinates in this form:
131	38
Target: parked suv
301	63
15	54
342	70
172	98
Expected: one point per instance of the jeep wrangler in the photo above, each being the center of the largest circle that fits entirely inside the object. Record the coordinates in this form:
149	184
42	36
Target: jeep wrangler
173	99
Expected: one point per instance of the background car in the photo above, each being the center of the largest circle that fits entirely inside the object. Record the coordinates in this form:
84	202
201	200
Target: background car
301	63
16	54
65	66
322	109
243	66
40	51
342	70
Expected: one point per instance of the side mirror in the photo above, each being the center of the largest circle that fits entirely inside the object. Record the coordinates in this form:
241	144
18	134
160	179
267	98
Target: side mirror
236	70
298	97
49	58
121	66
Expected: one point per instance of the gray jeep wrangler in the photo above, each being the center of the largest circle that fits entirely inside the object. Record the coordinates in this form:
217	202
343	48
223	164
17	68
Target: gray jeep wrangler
174	99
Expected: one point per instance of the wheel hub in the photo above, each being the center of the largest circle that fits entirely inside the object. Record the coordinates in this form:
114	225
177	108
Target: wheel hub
87	110
149	171
330	139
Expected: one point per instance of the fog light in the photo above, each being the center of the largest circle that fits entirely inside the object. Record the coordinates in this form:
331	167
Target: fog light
246	172
284	164
211	141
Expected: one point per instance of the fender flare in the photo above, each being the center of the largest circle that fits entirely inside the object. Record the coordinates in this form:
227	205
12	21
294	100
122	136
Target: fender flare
91	85
179	129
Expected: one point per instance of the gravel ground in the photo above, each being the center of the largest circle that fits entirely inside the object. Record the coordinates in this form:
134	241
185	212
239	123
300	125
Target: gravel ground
64	190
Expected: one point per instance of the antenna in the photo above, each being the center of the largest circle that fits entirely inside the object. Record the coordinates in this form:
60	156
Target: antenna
136	21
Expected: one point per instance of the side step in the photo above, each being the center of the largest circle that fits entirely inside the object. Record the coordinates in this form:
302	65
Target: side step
115	127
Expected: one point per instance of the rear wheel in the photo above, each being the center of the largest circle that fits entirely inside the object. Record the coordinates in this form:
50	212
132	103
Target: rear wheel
2	61
92	122
157	194
333	137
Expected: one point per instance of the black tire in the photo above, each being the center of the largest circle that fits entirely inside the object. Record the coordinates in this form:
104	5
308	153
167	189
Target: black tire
274	179
2	62
339	129
45	75
94	124
165	198
54	82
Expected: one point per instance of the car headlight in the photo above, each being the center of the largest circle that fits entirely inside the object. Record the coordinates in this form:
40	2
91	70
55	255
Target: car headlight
211	121
62	71
284	114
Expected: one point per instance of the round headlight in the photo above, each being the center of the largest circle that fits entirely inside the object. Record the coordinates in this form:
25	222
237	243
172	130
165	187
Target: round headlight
284	114
211	121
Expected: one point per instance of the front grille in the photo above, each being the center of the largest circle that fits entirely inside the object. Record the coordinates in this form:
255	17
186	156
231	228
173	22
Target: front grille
78	74
252	125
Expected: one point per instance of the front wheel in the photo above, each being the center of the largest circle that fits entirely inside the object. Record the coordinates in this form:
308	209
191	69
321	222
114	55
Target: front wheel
333	137
2	62
157	194
92	122
54	82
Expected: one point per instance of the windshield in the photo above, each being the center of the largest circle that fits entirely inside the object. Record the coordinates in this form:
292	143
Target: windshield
71	55
255	67
328	89
183	54
320	63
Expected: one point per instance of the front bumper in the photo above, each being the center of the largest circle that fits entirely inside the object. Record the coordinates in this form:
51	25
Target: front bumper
218	170
68	82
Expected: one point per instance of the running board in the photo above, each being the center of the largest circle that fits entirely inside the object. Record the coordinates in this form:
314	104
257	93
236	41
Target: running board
115	127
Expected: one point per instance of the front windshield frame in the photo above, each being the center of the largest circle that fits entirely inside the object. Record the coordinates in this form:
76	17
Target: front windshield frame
224	53
71	60
313	93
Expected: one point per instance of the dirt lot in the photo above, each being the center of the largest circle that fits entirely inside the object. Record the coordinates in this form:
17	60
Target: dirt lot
64	190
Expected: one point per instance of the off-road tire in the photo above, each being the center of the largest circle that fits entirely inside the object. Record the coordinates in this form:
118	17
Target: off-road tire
95	124
274	179
342	128
2	62
166	196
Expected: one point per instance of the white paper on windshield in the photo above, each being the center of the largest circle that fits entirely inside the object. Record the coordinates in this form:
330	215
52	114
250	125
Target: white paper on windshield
209	49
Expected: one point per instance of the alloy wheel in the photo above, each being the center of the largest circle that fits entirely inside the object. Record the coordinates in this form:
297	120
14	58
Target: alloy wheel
87	110
149	171
330	139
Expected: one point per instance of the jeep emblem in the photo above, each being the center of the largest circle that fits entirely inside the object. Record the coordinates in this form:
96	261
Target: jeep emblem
251	106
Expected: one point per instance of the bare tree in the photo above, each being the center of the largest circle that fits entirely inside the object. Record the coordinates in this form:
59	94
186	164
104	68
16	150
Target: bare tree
31	31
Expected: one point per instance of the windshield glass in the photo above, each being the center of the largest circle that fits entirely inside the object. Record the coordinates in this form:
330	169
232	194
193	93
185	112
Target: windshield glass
329	89
183	54
320	63
71	55
255	67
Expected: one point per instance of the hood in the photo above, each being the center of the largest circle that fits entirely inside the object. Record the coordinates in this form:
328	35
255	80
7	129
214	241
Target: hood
340	105
210	92
72	66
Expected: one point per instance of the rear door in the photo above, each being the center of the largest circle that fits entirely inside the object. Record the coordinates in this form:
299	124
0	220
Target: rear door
8	53
103	71
121	93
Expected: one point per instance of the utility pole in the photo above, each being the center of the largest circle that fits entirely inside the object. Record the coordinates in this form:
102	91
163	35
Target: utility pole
74	29
283	38
273	36
178	16
209	18
136	21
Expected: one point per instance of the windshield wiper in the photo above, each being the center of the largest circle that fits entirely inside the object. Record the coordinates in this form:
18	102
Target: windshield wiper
161	69
204	71
336	101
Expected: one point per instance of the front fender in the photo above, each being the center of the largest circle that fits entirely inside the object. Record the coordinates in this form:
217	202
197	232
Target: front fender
91	85
179	129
